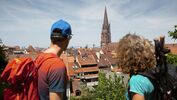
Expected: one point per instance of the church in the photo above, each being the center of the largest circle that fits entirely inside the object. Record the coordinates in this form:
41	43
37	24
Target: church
106	42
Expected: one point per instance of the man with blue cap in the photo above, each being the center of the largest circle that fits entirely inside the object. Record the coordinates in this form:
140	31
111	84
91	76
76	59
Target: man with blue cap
52	75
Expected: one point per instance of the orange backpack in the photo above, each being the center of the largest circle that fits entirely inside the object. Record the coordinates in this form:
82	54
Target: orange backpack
21	76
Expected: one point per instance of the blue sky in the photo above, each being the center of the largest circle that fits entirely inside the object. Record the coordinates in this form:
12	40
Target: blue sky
28	22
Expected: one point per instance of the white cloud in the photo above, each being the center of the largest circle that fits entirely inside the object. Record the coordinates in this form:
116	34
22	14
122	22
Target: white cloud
28	20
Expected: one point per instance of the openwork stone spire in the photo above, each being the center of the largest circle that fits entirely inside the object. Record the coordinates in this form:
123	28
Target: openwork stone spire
106	33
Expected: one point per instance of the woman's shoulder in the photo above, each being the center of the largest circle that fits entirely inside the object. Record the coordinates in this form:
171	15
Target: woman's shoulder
139	79
141	82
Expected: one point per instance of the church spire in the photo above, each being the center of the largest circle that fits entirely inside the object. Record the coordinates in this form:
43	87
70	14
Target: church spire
105	21
106	33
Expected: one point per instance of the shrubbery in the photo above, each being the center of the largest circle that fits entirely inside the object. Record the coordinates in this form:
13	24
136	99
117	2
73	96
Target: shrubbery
111	88
172	59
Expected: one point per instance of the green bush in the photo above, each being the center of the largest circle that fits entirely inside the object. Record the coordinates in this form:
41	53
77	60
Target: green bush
172	59
111	88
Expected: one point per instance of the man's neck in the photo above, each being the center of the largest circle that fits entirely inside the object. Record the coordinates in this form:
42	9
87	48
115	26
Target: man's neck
54	49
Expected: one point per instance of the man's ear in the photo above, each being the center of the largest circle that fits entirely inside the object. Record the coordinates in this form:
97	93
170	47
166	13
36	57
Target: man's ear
63	46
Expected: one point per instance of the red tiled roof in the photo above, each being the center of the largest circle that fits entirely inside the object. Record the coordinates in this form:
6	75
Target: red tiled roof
64	57
112	46
12	56
83	51
88	69
31	49
70	68
69	62
105	60
172	47
86	60
91	76
70	59
116	69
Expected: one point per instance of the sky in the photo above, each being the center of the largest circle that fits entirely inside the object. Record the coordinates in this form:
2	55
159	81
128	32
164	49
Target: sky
28	22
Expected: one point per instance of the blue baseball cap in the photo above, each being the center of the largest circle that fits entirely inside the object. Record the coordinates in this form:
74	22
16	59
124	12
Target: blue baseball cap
63	26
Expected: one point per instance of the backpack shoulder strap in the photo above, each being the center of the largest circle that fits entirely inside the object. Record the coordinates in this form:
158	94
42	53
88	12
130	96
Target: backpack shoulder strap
39	60
152	75
130	94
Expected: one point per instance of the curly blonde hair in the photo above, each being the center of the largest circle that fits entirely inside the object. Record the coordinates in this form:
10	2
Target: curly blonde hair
135	51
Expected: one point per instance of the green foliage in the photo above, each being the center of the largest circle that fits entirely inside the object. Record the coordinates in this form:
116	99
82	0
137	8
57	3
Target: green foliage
172	59
111	88
173	34
3	62
86	94
3	59
80	98
102	87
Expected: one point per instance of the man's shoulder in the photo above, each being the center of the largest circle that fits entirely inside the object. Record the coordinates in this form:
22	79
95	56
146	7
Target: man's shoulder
56	61
51	59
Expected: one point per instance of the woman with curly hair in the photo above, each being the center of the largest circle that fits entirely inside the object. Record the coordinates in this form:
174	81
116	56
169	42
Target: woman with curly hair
136	54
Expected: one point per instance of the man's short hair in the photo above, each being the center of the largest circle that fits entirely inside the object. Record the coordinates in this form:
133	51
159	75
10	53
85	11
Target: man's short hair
135	51
56	36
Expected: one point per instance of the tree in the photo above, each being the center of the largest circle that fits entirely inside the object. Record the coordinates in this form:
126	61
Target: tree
3	62
1	41
173	34
3	58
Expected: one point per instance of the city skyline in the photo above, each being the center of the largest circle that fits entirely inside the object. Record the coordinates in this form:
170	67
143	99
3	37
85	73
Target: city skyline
28	22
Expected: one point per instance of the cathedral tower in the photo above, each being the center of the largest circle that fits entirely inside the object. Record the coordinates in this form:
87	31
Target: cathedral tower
106	33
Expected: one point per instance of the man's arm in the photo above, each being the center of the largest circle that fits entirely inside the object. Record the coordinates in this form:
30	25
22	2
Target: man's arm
56	81
56	96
